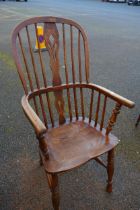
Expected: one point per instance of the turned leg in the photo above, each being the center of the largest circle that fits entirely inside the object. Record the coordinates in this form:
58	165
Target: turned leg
110	170
53	185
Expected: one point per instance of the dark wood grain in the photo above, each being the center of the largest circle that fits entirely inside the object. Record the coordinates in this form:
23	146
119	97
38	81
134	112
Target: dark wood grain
110	170
103	113
51	36
74	144
113	118
72	141
54	187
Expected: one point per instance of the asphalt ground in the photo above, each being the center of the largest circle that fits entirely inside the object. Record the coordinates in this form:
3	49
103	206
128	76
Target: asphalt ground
114	37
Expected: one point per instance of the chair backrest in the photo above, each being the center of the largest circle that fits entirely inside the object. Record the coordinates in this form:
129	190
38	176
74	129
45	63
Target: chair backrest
66	60
63	61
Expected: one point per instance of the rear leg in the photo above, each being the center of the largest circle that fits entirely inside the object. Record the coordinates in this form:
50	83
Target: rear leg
110	170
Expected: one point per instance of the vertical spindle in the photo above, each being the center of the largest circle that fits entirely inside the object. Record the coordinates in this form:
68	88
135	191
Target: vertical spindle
103	113
66	70
86	52
80	75
37	80
73	72
97	109
91	105
27	71
44	76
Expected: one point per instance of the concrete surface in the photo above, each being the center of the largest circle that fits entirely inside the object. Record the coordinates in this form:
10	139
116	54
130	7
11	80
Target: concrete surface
114	36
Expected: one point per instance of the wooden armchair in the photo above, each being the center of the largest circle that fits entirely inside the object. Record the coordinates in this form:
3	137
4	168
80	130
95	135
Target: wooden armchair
71	117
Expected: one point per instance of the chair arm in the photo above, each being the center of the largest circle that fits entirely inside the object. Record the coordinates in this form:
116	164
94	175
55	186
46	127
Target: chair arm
116	97
38	125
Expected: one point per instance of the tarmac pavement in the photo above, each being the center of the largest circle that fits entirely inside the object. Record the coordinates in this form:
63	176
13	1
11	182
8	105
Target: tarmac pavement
114	39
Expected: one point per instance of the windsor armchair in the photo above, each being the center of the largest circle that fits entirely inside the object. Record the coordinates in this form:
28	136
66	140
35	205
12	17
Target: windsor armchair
70	115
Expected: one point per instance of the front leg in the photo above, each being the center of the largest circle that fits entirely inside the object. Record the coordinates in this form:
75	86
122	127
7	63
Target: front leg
110	170
53	185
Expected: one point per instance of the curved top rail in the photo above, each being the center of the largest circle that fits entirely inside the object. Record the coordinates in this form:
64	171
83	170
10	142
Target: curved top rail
47	19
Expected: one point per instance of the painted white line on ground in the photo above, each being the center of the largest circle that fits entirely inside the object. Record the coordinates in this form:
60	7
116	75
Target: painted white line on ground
14	19
12	12
11	15
7	16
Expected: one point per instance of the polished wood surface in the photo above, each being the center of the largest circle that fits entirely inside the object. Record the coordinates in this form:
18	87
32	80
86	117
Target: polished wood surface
54	187
110	170
73	144
70	115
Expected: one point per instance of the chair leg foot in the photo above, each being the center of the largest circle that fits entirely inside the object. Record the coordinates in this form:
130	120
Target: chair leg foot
110	170
109	188
54	187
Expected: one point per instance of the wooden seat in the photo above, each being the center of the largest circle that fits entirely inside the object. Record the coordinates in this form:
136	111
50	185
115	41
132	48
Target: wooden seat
72	117
74	144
